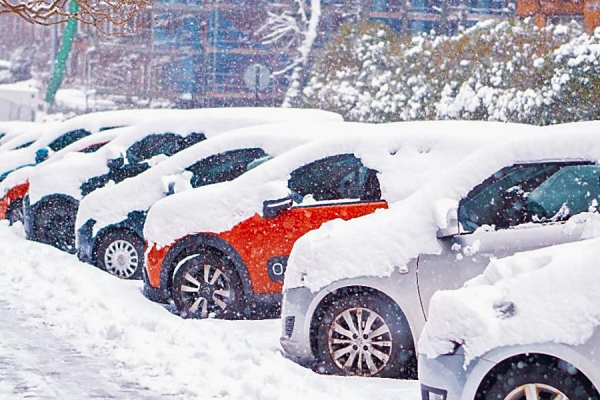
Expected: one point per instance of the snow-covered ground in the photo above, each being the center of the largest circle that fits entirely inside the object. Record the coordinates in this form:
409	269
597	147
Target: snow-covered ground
71	331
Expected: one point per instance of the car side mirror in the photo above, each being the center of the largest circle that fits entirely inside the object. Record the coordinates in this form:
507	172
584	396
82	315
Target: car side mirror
272	208
452	226
41	155
115	163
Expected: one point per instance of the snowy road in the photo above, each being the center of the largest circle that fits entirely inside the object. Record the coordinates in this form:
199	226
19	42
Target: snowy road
70	331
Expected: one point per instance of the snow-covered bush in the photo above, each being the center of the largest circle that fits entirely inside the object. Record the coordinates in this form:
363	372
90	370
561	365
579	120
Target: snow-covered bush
496	70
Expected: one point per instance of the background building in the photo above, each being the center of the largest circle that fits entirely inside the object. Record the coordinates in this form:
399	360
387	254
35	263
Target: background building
195	53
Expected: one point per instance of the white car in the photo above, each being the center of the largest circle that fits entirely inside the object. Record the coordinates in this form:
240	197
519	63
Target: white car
55	190
375	275
527	328
110	220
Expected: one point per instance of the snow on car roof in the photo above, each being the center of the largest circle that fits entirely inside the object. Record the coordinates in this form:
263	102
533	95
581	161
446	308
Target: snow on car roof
111	204
540	296
93	123
405	154
22	174
377	244
15	129
67	175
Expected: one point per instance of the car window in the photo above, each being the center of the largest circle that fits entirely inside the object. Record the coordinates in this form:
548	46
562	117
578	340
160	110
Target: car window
500	201
24	145
335	178
163	143
66	139
92	148
570	191
224	166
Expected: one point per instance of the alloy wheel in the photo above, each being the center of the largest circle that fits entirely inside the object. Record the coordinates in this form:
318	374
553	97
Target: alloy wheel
206	291
360	342
121	259
536	391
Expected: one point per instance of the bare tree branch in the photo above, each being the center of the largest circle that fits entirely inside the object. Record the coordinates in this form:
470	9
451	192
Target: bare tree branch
91	12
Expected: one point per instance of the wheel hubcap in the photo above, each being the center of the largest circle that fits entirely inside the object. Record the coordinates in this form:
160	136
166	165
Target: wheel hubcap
206	291
121	259
536	391
360	342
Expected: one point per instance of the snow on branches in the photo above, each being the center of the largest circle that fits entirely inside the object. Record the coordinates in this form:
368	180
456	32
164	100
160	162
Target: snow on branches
92	12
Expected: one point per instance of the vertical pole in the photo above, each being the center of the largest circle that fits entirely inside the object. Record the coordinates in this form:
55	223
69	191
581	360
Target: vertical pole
58	70
256	83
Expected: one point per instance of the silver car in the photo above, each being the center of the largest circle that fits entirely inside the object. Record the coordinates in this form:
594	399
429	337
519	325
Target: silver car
526	329
545	371
367	324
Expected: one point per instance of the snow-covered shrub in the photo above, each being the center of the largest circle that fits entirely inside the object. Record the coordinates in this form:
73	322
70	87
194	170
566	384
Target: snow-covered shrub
496	70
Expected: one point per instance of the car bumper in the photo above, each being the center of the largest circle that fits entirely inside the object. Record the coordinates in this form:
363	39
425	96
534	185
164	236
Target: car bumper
85	241
295	323
446	377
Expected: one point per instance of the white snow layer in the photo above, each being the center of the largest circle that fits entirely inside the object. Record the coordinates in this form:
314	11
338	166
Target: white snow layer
111	204
405	154
541	296
71	331
66	176
376	244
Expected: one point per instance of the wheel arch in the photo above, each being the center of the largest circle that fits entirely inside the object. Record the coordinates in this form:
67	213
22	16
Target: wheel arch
544	358
190	245
333	295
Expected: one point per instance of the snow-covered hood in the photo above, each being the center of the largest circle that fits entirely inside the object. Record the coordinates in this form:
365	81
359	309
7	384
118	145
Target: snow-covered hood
67	175
110	205
377	244
406	155
542	296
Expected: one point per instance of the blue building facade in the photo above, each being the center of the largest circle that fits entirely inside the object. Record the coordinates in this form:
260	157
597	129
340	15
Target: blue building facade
211	53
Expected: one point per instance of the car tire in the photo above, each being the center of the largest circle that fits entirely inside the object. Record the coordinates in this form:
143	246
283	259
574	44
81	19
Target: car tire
54	224
536	377
207	286
380	345
15	212
120	253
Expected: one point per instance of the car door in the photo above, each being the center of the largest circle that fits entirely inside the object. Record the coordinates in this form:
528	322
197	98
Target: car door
333	187
520	208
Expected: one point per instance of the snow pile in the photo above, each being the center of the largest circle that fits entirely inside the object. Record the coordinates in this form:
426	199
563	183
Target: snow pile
547	295
66	176
406	155
112	204
377	244
112	342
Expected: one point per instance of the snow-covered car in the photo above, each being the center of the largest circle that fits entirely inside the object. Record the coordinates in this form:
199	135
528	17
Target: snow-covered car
58	135
15	186
16	135
357	292
221	250
110	220
55	190
527	328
